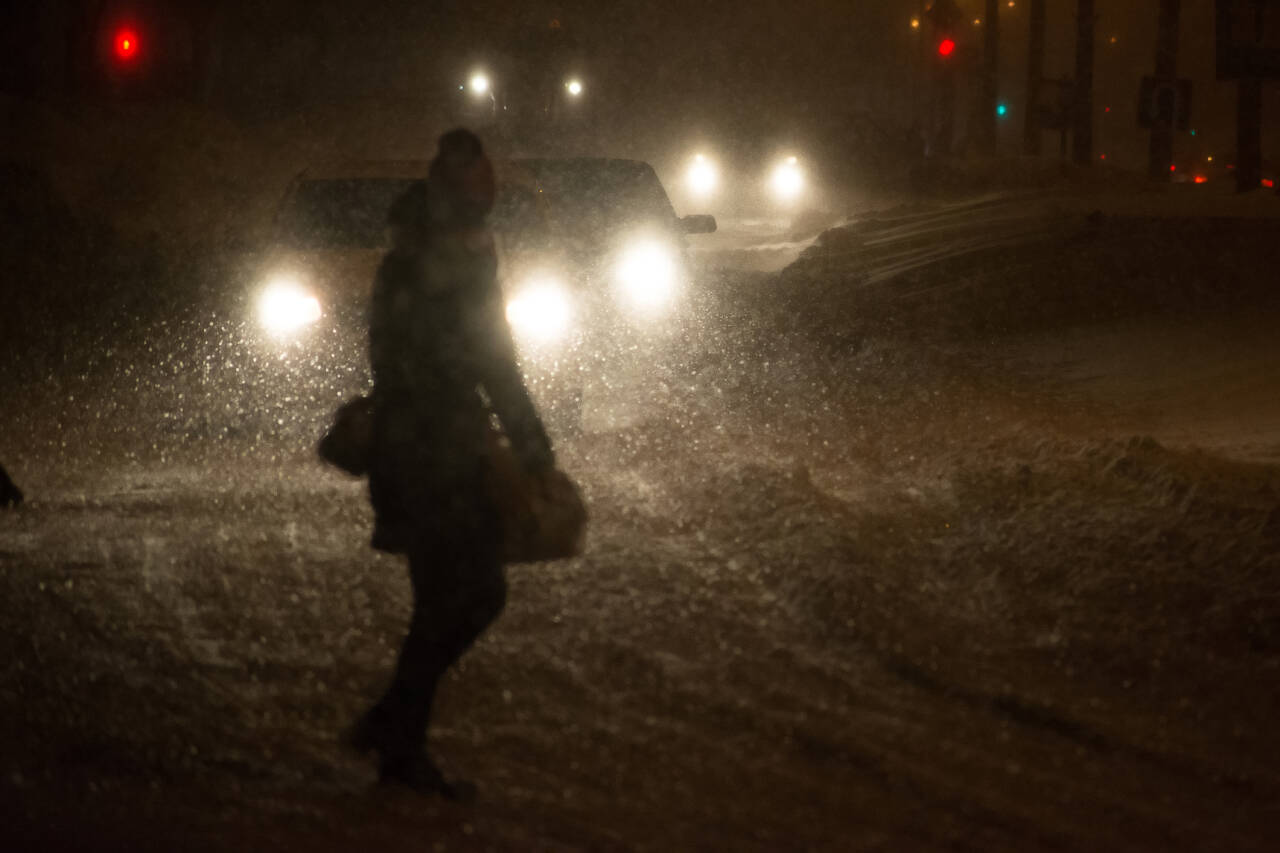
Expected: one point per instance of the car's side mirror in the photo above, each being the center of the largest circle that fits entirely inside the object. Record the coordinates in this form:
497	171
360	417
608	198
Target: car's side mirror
698	223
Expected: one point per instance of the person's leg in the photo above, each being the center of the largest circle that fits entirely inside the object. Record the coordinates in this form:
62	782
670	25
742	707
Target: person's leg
457	596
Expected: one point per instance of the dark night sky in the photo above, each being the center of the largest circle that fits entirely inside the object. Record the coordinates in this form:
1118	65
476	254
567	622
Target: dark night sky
660	71
732	69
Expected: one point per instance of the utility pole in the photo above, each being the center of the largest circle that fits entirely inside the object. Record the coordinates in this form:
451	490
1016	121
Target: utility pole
1035	71
990	76
1161	154
1249	54
1248	134
1082	125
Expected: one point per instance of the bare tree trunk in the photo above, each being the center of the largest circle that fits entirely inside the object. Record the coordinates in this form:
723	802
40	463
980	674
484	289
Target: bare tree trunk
1248	134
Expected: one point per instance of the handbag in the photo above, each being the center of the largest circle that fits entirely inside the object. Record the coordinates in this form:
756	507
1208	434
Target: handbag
541	516
348	442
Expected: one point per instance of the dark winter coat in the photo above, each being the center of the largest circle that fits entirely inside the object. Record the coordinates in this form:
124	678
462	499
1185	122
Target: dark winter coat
440	347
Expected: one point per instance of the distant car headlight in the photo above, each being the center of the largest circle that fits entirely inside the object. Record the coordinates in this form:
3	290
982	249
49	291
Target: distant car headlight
286	306
702	177
787	180
541	310
647	275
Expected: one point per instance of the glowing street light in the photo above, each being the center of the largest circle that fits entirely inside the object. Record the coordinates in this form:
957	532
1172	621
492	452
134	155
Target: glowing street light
479	83
702	177
574	87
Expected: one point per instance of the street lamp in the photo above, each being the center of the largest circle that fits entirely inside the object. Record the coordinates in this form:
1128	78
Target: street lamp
480	87
702	177
574	87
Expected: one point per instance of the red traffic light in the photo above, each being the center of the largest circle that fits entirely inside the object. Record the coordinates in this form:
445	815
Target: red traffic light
126	44
946	47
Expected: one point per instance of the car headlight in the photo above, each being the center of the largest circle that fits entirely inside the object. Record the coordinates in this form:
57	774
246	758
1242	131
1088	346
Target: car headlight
286	306
787	180
702	177
541	310
647	275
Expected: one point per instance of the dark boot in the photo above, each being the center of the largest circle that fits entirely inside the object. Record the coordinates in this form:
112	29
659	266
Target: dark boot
421	775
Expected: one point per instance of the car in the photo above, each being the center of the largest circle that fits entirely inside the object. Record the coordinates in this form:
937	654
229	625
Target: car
593	264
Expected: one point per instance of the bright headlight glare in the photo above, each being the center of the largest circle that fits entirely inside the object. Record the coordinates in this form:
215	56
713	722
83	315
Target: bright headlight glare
540	311
787	181
647	275
285	306
702	176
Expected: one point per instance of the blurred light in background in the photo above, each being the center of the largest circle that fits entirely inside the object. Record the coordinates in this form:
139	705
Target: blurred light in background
647	275
702	177
574	87
479	83
787	181
285	306
541	310
126	44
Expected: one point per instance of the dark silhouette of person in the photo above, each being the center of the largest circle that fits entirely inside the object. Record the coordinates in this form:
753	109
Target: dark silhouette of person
438	336
10	494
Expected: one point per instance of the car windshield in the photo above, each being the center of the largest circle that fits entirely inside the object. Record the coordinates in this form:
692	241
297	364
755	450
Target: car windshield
344	213
518	218
593	197
351	213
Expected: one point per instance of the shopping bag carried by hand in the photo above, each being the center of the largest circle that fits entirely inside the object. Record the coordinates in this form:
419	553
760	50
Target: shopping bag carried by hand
543	516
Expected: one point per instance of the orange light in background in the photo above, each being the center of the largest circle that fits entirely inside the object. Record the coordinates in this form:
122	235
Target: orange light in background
1201	179
126	44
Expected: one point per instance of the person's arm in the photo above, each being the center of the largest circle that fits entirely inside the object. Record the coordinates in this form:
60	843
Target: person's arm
502	381
382	312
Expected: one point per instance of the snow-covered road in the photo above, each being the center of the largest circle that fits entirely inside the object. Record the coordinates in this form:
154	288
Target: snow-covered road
912	592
